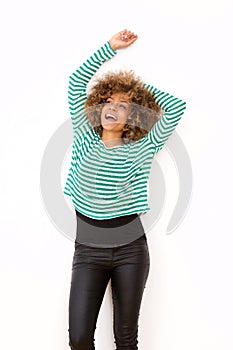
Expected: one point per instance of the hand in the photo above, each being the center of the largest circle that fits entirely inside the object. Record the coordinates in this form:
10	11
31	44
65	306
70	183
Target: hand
122	39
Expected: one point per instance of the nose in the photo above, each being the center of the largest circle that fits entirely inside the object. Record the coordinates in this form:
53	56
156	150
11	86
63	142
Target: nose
113	105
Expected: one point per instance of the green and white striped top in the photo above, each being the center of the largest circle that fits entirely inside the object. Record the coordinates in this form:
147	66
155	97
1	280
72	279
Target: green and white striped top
107	182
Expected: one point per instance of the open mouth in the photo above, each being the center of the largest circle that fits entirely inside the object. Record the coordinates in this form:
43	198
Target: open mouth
111	117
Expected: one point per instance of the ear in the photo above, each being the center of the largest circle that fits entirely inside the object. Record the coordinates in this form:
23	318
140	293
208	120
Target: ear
126	127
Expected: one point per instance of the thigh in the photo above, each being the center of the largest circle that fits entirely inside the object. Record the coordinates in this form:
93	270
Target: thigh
88	284
128	282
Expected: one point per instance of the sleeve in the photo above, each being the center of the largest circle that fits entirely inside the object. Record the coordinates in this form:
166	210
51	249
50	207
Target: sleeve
78	81
173	108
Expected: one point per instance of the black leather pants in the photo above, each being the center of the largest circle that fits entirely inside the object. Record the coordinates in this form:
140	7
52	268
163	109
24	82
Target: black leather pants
127	267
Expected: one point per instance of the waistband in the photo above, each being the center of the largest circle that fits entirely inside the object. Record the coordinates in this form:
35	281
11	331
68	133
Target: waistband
108	223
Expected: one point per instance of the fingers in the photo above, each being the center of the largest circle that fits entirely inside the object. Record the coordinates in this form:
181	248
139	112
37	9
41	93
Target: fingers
123	39
127	35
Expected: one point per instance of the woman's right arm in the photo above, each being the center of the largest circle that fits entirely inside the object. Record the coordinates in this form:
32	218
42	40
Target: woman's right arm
81	77
78	81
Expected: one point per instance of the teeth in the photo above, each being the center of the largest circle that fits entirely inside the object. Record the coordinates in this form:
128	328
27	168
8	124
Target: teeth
111	116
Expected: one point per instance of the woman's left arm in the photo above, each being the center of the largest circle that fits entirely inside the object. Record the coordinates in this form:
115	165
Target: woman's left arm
173	108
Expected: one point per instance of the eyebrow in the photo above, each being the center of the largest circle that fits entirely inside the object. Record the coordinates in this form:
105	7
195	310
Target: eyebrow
119	101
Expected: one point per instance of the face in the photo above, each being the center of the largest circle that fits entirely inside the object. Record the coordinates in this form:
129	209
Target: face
115	112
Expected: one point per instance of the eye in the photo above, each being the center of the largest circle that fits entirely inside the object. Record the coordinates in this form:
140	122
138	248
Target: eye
123	105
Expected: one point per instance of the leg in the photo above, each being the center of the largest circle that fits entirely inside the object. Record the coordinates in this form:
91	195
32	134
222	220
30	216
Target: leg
88	284
128	283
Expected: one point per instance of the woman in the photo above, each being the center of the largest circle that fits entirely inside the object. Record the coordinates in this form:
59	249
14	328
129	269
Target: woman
118	127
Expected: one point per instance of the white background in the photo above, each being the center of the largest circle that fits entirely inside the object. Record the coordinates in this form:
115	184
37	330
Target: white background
184	48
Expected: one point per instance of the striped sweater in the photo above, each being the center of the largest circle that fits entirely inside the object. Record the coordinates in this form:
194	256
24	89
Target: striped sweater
107	182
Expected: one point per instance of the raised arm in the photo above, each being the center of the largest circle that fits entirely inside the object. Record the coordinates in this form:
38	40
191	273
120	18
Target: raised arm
81	77
78	85
173	108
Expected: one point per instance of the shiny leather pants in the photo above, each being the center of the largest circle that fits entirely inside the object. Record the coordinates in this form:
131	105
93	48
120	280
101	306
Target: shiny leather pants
127	268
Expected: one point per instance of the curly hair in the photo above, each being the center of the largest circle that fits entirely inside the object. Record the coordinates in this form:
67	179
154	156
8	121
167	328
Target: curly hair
144	111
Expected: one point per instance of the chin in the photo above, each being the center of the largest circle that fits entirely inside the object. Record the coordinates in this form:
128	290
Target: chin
109	126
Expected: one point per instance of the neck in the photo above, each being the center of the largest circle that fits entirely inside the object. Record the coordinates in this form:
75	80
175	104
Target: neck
112	138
